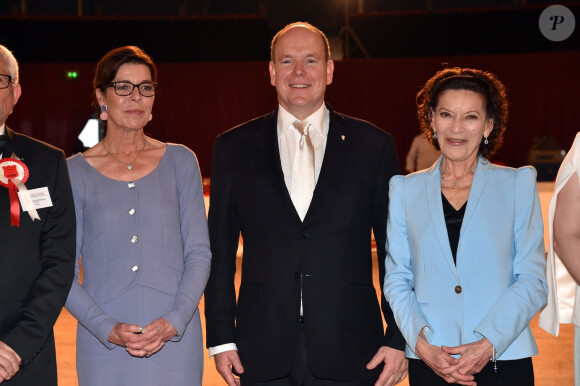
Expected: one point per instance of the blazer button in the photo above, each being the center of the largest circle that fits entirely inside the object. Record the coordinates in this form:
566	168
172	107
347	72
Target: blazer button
458	289
305	235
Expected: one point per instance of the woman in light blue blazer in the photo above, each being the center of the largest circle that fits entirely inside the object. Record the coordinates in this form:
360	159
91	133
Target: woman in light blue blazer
465	253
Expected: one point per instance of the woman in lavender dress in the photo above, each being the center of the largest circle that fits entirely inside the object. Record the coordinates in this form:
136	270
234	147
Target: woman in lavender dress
142	241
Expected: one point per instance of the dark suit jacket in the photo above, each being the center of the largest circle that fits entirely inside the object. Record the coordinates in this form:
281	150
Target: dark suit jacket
36	262
329	254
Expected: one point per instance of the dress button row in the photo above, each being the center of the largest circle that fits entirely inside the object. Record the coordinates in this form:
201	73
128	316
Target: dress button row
131	185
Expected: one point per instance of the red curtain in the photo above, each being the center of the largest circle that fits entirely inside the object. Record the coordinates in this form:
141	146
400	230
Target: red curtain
197	101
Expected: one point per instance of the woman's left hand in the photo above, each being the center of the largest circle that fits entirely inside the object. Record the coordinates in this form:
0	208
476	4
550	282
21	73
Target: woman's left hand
157	332
166	330
474	356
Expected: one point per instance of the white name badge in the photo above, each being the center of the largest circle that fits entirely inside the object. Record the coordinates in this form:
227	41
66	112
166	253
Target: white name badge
35	199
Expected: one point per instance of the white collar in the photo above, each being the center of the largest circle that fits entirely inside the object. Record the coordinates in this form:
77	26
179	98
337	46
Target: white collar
316	120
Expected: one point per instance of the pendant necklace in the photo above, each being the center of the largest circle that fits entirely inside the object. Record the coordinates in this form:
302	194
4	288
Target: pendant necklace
461	177
130	163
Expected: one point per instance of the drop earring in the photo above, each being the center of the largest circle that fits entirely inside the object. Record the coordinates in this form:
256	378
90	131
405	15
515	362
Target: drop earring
485	141
434	134
104	114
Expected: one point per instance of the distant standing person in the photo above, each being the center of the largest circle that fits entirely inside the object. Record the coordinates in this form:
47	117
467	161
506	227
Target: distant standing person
422	154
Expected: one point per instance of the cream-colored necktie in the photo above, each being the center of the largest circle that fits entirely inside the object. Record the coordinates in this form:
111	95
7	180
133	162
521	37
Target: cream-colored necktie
302	171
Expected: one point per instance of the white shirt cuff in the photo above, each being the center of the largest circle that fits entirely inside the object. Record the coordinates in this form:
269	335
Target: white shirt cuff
221	348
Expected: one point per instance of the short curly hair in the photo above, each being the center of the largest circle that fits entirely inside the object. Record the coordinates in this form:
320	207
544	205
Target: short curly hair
484	83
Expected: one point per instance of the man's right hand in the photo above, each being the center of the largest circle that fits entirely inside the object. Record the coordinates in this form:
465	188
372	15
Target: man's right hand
9	362
224	362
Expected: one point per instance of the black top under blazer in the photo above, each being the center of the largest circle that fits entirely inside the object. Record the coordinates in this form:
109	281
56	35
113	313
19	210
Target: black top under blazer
330	252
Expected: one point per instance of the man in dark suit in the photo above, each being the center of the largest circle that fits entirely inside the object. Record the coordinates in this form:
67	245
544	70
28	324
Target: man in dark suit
37	243
304	185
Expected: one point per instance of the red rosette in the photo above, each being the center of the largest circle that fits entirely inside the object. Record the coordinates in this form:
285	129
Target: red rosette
10	169
12	173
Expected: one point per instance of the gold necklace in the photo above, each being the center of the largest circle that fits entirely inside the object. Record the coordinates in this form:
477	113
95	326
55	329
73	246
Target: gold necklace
455	178
130	163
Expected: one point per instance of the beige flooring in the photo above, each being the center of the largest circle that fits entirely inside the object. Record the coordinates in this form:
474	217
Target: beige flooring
553	366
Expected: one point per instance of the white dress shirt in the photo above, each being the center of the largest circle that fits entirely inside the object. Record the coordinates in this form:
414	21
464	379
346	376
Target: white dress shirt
1	133
288	138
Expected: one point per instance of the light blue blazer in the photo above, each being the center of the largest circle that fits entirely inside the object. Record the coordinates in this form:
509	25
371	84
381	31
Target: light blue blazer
499	281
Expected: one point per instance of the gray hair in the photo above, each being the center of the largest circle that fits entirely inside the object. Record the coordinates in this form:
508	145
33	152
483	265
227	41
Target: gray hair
8	58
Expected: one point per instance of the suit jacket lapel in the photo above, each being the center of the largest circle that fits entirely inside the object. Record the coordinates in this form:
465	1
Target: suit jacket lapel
435	206
269	157
335	154
477	186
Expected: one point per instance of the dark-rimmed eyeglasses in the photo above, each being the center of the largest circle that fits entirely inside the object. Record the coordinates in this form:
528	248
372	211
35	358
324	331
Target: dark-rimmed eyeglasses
5	80
147	89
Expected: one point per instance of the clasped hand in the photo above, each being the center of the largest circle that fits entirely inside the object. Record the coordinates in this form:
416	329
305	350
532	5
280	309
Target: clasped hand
142	341
473	358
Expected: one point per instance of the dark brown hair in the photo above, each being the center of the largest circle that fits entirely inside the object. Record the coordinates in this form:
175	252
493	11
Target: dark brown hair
110	63
481	82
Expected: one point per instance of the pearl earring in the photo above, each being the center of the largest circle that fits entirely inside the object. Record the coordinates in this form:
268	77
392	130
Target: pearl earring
104	114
